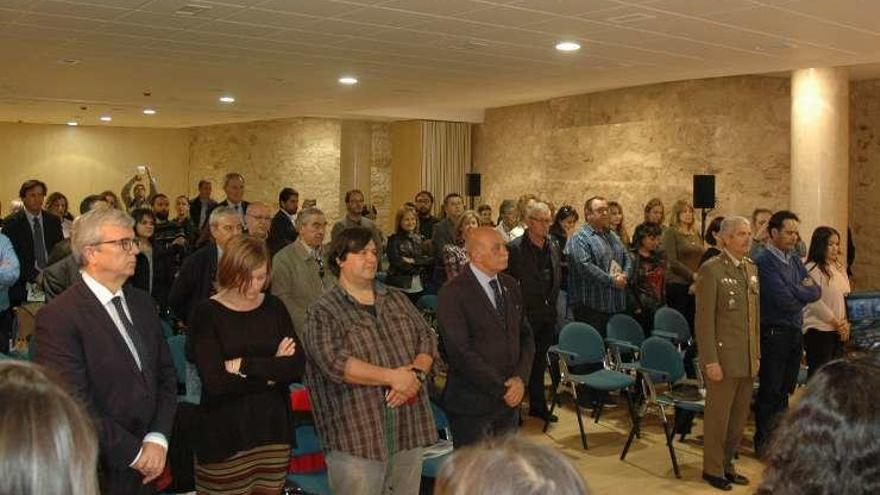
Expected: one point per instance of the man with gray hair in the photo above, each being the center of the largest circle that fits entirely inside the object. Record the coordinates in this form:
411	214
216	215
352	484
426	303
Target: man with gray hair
299	275
535	260
727	326
105	340
258	219
195	282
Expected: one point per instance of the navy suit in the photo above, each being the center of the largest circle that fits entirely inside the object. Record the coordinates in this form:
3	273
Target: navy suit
18	229
76	338
484	350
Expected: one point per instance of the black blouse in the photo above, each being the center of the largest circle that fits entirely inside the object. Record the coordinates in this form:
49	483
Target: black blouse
242	412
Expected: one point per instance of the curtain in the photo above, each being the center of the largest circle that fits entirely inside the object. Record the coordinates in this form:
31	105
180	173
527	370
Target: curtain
446	157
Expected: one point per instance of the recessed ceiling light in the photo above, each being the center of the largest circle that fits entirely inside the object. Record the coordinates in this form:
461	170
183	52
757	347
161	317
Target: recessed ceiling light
73	123
348	80
227	99
106	118
69	61
149	111
568	46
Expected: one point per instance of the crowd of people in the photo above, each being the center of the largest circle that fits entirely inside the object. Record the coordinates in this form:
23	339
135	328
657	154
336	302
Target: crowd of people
265	299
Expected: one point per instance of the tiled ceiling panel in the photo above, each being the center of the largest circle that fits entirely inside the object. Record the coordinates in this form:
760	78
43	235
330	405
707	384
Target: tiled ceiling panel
414	58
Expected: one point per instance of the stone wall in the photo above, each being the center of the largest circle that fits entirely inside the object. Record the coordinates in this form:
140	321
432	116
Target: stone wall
635	143
302	153
865	182
380	175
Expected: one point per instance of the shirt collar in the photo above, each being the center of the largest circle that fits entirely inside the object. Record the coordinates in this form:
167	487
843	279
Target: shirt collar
31	216
482	277
99	290
735	261
777	252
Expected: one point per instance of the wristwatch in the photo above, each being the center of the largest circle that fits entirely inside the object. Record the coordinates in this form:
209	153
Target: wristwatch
420	375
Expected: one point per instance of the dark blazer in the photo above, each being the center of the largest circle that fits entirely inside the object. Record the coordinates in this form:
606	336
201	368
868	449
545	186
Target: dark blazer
281	233
483	349
77	339
195	211
225	202
18	230
540	306
194	282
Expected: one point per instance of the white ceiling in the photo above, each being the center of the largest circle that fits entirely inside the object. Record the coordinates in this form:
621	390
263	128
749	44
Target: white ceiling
434	59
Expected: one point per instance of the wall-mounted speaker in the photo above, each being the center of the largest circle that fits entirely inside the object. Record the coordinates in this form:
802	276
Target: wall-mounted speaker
704	191
473	183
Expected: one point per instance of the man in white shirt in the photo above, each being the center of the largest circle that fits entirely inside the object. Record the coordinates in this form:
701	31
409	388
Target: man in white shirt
106	342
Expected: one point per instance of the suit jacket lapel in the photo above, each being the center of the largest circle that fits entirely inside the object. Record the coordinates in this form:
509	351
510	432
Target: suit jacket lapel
105	324
487	303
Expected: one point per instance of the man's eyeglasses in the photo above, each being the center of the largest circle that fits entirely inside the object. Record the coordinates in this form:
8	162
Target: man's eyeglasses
126	244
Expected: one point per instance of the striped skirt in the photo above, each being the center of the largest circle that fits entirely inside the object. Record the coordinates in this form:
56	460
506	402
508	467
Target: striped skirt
261	470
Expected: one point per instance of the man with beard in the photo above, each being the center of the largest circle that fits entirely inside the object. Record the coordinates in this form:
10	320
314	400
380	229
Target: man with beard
424	205
170	246
283	229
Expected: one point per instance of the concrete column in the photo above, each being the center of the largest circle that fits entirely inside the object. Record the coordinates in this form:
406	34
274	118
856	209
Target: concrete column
355	159
820	149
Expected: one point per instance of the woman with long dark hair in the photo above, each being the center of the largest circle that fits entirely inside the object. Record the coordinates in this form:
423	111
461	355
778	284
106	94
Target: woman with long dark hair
618	223
825	325
408	263
829	442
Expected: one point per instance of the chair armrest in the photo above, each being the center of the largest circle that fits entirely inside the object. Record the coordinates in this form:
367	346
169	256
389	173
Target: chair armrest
654	375
666	335
622	345
571	356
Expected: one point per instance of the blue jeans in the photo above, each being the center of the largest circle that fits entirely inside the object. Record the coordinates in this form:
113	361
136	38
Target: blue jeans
352	475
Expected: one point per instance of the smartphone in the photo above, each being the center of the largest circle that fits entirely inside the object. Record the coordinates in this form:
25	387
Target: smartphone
310	203
142	169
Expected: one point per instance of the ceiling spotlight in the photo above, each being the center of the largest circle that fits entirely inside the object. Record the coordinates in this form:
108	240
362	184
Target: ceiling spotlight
106	118
73	123
568	46
227	99
348	80
149	111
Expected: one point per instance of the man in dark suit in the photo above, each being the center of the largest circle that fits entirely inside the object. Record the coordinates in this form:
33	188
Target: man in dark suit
106	342
200	207
33	232
195	281
233	186
444	233
282	231
488	342
536	262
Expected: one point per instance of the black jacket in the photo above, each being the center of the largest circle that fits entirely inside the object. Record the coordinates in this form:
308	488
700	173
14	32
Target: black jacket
195	282
281	233
18	230
195	211
400	272
539	304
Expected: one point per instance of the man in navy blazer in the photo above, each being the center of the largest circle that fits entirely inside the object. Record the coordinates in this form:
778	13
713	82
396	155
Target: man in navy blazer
20	229
489	343
106	342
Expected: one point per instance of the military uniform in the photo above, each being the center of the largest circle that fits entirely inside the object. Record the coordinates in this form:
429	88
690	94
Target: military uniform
728	333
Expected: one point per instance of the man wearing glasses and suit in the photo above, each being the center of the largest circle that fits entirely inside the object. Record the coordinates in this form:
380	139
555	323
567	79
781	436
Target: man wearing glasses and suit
106	342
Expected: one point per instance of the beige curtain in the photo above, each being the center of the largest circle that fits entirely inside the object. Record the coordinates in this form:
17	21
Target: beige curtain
446	157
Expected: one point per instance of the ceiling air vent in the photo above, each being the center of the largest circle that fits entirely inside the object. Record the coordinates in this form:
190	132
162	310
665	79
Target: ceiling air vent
192	9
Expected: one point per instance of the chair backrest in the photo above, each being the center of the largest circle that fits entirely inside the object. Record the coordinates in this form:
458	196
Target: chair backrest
307	441
177	346
583	340
659	354
670	320
626	328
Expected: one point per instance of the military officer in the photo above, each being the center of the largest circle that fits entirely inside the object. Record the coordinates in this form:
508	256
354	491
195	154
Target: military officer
728	335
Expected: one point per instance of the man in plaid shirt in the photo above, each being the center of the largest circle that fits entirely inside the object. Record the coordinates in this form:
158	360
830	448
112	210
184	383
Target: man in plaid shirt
599	268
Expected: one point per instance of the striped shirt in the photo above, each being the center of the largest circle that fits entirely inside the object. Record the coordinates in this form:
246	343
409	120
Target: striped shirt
351	418
590	255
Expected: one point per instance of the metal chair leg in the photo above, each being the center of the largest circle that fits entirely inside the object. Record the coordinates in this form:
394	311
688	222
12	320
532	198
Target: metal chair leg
670	435
553	399
577	409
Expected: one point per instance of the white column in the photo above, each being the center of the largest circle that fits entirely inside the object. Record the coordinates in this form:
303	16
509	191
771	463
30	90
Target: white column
820	149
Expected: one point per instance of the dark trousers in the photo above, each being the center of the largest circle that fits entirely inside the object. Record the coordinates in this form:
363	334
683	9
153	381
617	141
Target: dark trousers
545	336
781	351
127	482
469	430
6	320
821	347
592	317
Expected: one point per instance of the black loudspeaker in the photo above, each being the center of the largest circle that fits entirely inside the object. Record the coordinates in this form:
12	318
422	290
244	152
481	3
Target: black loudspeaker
473	185
704	191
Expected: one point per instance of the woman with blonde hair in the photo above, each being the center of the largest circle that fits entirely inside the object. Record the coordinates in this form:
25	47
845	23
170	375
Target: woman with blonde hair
511	466
247	355
48	445
455	255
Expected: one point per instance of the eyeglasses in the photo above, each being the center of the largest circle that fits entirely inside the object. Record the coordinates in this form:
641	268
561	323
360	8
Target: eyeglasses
125	244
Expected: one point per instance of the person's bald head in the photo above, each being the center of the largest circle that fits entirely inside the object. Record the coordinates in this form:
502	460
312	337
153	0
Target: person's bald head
487	250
